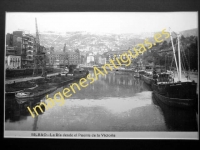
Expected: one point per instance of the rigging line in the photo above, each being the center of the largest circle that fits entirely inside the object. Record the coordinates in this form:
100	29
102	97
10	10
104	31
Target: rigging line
185	57
182	64
166	61
187	75
172	63
187	63
189	60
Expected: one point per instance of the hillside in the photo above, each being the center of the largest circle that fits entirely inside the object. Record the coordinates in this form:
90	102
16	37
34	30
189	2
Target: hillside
191	32
98	43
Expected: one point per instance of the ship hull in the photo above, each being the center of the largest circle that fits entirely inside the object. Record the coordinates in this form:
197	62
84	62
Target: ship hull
34	95
176	102
181	94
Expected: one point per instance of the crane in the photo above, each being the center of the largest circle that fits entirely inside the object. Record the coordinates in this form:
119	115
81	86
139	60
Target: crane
39	57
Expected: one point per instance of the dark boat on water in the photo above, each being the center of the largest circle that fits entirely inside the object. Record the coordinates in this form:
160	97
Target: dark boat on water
28	94
11	89
179	93
80	73
59	81
177	119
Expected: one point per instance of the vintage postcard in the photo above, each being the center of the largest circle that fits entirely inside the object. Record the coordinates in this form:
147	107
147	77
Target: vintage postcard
101	75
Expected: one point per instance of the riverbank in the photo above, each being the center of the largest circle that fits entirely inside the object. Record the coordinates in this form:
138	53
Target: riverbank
17	80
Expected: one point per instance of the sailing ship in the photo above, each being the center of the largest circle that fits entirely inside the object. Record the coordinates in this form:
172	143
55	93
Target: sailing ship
180	93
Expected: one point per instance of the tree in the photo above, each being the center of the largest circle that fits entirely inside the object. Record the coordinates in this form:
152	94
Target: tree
164	45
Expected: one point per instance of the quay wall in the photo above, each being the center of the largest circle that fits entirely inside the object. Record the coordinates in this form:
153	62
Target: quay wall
20	80
24	72
108	69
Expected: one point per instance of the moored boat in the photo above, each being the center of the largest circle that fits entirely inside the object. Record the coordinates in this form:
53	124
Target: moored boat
80	73
17	87
33	93
59	81
176	102
180	93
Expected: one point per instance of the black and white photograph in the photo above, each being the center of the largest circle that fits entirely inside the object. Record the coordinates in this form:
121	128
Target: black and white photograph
101	75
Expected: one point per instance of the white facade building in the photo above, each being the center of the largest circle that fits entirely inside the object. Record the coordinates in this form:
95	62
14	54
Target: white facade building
90	58
13	62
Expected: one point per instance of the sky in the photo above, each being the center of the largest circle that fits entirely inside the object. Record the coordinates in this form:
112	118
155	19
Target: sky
101	22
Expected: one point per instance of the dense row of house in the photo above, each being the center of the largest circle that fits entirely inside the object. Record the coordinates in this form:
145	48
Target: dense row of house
21	49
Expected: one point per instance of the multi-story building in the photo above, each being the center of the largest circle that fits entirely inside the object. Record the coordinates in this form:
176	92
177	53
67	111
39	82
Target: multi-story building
23	45
28	50
58	59
82	59
74	58
13	62
50	60
101	60
90	58
116	54
9	39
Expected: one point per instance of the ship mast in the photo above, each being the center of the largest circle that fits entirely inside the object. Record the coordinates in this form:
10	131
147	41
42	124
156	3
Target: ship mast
174	52
179	59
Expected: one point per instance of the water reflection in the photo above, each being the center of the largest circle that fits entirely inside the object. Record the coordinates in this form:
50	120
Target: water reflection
111	86
177	119
114	102
17	109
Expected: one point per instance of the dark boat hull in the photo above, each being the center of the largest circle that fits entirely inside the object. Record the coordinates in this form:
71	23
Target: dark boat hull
182	90
176	102
36	94
179	94
13	92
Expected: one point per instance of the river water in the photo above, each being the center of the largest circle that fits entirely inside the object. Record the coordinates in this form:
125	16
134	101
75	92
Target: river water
115	102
